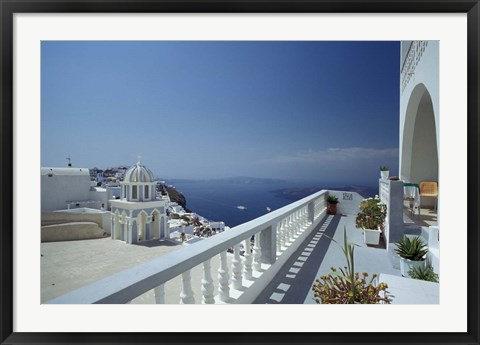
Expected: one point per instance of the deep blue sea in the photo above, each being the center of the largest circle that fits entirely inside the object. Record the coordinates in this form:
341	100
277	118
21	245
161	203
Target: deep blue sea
218	200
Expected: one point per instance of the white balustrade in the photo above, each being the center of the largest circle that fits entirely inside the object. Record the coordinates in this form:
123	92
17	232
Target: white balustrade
287	224
291	228
186	296
279	236
295	223
247	262
257	253
236	268
159	294
207	284
223	288
283	233
298	222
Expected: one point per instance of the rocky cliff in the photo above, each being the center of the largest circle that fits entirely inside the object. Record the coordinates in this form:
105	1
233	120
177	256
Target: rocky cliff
175	196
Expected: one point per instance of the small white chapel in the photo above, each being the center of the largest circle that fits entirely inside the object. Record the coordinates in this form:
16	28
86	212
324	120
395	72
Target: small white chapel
139	215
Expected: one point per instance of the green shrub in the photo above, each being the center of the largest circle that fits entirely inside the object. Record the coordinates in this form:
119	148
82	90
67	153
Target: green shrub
424	273
372	214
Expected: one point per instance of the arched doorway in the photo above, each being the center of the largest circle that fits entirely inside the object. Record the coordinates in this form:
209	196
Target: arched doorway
419	146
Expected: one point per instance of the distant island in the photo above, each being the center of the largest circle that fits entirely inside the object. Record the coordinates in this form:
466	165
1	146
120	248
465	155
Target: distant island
231	180
295	194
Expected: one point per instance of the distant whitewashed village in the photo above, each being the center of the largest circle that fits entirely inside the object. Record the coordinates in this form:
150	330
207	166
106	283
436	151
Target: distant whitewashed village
94	191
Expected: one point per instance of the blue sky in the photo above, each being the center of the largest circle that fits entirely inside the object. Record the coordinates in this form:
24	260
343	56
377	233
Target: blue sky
326	111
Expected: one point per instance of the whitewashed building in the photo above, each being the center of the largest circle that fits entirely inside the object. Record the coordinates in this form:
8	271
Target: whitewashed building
419	111
69	188
138	215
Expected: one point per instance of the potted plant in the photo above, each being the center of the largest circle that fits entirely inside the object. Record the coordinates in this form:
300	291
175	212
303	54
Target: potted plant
424	273
332	202
345	286
412	252
384	172
371	219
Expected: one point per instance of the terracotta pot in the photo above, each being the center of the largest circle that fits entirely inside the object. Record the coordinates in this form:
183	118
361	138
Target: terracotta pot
331	209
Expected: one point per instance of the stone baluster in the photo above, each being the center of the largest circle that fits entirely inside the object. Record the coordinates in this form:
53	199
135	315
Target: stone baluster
305	216
283	236
291	227
237	268
207	284
159	293
257	253
287	229
301	219
279	237
186	296
223	288
298	228
247	261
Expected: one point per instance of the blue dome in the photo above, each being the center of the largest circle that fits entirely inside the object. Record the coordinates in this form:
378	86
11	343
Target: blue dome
139	173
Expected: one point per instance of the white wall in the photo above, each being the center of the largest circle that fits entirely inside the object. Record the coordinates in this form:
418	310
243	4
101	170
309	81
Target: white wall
59	185
62	185
426	73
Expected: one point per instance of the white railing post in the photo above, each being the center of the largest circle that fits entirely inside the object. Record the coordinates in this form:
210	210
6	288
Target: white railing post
287	229
298	228
186	296
257	253
223	288
236	268
247	267
283	236
159	293
279	237
291	227
207	284
312	211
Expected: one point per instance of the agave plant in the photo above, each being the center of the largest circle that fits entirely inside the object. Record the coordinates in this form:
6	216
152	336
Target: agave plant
412	249
346	286
423	273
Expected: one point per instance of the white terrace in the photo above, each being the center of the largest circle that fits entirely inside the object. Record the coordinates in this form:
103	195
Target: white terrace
290	250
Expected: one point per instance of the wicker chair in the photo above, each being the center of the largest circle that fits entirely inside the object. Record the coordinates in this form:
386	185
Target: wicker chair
429	189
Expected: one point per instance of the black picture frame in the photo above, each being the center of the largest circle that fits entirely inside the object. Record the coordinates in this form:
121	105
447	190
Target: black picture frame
10	7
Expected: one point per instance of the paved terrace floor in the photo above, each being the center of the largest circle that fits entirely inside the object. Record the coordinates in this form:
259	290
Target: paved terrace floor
69	265
426	216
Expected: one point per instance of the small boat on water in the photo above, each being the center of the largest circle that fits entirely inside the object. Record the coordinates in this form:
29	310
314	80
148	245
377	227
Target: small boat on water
268	209
243	208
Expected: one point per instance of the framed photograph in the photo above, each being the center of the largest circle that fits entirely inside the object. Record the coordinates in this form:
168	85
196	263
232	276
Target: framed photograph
126	105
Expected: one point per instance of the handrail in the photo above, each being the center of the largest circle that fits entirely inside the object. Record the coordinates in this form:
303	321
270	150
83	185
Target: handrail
126	285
